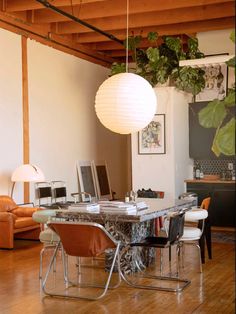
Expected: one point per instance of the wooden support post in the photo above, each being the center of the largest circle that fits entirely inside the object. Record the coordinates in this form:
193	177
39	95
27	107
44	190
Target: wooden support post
25	109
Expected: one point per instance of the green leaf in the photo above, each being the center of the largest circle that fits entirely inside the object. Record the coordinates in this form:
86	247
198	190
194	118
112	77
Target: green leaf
225	139
215	147
132	42
117	68
152	36
229	100
193	51
189	79
153	54
231	62
193	44
173	43
232	36
212	115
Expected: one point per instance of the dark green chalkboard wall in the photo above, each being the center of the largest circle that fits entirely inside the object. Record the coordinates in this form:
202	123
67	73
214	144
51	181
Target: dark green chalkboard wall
200	139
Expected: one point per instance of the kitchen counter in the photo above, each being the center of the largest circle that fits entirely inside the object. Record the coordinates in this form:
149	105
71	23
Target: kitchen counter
222	193
210	181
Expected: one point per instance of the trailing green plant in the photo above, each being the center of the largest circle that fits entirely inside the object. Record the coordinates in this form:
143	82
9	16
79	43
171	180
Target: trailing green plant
158	63
220	114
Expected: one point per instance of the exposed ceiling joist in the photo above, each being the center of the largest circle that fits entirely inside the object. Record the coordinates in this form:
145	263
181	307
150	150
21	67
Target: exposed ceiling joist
167	17
23	5
96	10
169	29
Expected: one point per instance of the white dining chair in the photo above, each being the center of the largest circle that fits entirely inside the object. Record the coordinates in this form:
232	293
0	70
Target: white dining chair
47	236
192	234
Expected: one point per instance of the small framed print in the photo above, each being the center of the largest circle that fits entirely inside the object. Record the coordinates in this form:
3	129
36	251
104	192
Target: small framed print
216	81
151	139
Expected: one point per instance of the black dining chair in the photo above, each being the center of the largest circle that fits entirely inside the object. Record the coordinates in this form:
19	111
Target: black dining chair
43	192
175	232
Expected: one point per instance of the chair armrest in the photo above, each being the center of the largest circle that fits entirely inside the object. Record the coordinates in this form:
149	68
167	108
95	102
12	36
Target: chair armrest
25	211
7	217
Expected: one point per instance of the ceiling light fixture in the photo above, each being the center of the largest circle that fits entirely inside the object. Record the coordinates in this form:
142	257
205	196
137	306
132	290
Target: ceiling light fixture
125	102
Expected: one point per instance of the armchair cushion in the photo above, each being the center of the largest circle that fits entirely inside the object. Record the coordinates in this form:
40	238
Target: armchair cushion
23	222
7	204
24	211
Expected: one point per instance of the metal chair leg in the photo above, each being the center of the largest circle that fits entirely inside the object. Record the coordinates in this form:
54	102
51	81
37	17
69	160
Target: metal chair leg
199	252
116	258
181	283
161	261
41	263
200	258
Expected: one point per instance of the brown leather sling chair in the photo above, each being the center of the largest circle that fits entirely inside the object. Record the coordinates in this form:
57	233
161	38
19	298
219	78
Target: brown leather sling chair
82	239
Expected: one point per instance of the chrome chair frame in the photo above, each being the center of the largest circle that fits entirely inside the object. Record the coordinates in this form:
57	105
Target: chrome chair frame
69	283
152	242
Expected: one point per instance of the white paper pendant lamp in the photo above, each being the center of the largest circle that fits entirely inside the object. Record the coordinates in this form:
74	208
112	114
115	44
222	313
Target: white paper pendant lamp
125	103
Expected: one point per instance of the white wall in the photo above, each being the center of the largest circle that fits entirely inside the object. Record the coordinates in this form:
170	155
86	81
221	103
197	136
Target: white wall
113	148
166	172
63	126
215	42
182	163
10	110
62	115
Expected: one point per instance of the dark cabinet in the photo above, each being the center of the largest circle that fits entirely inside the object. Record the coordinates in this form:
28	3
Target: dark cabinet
222	207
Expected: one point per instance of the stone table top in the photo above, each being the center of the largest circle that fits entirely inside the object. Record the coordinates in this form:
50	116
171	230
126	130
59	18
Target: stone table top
156	208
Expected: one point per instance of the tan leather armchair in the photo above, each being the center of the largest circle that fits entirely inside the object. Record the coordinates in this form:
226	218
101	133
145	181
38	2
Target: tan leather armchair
16	222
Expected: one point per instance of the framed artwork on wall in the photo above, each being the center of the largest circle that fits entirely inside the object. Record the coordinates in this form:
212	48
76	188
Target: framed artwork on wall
216	81
151	139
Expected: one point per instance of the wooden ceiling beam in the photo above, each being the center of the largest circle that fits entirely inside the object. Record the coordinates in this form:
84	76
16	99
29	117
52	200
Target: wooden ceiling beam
118	53
170	30
53	40
110	45
152	18
104	9
23	5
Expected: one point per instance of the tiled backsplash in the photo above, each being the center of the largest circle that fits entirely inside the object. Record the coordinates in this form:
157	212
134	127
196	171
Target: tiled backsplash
214	166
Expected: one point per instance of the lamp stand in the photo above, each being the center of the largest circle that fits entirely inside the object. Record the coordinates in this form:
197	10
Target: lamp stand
12	189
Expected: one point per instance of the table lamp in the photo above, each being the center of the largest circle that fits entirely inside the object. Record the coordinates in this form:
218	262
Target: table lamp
26	173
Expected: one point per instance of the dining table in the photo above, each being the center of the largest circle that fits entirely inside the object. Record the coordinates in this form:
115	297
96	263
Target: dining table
131	227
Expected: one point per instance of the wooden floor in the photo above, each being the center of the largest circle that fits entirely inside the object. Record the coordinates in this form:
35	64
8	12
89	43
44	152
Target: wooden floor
213	291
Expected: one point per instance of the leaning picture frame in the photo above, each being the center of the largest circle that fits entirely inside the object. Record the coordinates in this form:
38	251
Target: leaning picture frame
151	139
216	82
102	180
86	180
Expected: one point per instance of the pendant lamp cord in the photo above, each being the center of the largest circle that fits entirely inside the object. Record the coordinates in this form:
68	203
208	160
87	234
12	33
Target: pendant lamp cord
127	35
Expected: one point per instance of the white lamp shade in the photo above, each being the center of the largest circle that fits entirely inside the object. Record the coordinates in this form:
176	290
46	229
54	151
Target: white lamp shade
125	103
27	173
